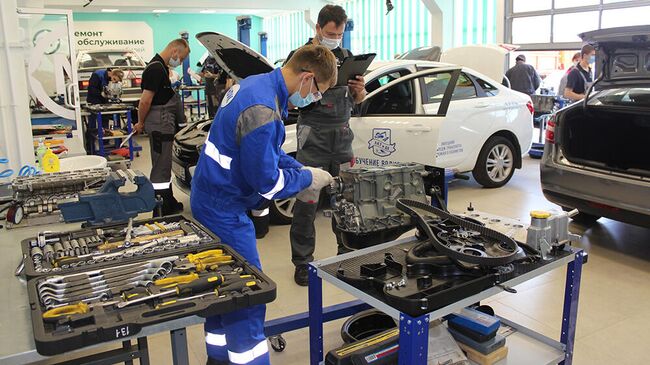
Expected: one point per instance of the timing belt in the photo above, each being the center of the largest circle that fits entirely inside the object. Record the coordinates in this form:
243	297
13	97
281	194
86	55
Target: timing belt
408	206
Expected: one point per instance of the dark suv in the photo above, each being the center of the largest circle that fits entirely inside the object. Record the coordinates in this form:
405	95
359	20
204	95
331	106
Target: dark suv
596	154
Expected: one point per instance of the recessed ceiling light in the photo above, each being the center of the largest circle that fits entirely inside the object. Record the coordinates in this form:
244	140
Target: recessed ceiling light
160	10
208	11
110	10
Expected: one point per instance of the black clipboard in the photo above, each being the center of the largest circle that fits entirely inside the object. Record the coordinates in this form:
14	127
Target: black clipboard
353	66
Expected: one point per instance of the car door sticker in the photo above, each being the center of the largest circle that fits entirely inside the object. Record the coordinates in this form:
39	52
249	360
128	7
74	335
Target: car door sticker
380	144
449	148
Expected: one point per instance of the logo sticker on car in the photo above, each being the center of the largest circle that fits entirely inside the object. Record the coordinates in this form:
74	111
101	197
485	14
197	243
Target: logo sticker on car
380	144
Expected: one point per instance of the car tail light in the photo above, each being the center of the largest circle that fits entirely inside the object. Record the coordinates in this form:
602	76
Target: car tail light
530	107
550	130
136	82
83	85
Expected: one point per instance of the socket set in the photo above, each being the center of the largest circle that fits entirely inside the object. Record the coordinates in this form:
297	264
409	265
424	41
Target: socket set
87	249
74	310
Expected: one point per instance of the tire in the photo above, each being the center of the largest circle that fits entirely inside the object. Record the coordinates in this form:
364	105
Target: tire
499	153
281	211
585	219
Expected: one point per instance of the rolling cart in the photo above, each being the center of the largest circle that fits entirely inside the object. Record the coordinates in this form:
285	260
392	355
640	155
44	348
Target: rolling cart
101	141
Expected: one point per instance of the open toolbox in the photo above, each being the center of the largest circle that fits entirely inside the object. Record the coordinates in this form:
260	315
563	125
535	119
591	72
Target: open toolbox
96	247
96	302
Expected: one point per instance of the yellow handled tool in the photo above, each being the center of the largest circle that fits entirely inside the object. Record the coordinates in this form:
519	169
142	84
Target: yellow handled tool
70	309
180	279
113	245
204	255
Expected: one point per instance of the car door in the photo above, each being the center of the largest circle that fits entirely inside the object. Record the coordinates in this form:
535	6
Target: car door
392	126
470	117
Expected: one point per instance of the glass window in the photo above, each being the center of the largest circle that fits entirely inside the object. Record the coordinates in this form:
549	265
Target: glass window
464	89
532	29
625	17
574	3
566	27
521	6
627	97
434	87
385	79
488	89
397	99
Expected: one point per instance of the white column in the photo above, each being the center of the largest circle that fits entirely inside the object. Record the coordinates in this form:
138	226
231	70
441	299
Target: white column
16	141
501	22
437	22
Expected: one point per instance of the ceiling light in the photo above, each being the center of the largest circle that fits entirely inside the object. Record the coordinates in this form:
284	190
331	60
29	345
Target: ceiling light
110	10
160	11
208	11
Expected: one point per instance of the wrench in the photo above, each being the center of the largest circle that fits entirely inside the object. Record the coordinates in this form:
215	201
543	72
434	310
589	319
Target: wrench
74	277
98	279
101	294
149	274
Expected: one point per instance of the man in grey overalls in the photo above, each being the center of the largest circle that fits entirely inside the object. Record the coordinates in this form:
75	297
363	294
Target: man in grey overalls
324	136
159	113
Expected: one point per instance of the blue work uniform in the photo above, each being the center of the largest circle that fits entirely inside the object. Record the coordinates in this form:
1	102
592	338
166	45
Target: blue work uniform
98	81
242	167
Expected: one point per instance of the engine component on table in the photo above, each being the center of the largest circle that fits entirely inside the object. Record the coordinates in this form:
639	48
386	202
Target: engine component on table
549	229
108	205
40	195
364	201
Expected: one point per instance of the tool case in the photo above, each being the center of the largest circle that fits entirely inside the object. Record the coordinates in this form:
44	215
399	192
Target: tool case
82	305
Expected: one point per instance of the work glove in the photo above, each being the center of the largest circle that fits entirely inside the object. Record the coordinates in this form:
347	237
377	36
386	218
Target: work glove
319	179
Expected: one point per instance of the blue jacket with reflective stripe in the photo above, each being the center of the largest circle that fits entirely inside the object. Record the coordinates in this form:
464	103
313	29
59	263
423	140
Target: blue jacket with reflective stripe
242	165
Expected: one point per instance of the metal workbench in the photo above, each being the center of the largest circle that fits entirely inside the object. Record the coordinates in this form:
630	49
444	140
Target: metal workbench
414	332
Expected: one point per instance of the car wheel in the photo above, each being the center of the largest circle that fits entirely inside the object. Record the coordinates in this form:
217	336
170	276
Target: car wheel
281	211
585	219
496	163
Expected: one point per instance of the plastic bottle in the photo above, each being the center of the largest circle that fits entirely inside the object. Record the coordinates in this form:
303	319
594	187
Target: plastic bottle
40	150
50	162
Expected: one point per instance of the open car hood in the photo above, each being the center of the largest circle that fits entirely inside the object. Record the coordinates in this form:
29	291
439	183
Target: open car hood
235	58
622	54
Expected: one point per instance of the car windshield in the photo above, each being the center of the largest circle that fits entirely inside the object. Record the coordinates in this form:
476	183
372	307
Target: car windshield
639	97
110	59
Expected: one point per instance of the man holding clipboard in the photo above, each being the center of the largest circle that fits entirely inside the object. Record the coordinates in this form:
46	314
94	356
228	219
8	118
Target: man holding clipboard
324	135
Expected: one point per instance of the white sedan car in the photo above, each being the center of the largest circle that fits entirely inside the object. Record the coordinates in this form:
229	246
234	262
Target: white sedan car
432	113
440	115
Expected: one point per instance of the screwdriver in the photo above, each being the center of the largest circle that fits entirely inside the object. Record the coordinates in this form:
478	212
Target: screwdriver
180	279
196	286
235	286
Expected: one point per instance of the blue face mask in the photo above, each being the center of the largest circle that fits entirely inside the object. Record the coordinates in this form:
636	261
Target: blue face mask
298	101
592	60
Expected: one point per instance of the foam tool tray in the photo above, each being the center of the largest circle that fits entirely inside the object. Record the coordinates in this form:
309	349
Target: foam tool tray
91	248
417	289
76	310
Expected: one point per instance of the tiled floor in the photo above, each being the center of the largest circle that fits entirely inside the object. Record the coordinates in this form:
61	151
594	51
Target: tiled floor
614	315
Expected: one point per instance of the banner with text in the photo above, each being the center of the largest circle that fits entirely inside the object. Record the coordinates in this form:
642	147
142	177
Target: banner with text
136	36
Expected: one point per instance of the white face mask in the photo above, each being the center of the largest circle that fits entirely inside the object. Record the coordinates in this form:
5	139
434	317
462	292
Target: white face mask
174	62
330	43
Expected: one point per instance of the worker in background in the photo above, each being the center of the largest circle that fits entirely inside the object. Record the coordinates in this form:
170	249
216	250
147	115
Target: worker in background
242	167
159	113
324	136
99	81
579	79
574	63
523	77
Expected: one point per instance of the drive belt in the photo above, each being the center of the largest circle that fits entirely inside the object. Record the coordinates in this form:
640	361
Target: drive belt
507	247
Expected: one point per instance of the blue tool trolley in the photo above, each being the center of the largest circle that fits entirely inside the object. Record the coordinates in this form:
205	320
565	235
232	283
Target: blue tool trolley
95	111
414	331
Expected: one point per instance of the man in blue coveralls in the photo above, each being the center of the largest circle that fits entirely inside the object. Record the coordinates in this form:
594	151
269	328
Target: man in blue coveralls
242	167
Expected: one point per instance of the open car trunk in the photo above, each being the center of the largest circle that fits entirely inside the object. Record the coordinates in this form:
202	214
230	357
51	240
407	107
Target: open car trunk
607	140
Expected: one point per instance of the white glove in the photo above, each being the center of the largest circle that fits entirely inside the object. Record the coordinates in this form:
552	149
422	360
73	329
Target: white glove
319	179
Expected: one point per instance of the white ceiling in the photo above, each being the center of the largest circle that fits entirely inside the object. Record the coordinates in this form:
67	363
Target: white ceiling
248	7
